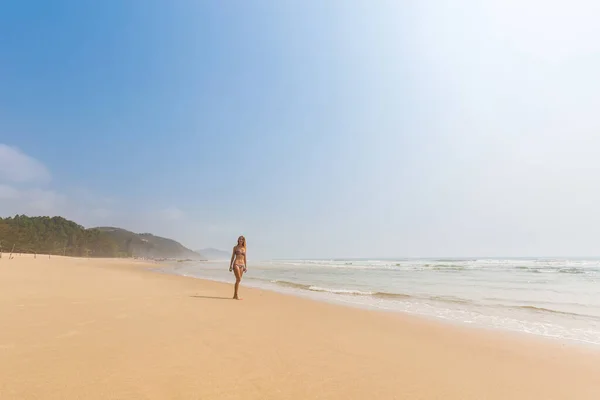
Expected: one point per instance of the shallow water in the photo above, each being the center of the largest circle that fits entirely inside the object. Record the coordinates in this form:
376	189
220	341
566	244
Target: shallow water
551	297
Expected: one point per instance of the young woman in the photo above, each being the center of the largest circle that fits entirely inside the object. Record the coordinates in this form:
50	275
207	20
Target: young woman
238	263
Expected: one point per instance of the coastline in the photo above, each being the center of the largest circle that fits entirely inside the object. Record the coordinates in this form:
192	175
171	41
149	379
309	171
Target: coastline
313	297
499	296
102	328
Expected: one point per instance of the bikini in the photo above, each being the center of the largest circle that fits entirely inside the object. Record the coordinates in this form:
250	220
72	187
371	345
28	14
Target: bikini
238	262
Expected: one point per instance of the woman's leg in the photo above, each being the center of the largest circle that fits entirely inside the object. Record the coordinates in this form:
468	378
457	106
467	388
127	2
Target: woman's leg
238	277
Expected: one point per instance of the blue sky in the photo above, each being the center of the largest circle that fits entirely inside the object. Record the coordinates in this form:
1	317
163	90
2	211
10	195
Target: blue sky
317	129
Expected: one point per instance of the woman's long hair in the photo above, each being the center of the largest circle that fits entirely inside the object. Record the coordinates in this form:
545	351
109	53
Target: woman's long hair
243	241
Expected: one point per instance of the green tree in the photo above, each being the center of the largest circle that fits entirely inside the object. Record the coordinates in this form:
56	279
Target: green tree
54	235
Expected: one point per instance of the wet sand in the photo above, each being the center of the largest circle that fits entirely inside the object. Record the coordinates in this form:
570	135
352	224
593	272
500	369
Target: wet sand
113	329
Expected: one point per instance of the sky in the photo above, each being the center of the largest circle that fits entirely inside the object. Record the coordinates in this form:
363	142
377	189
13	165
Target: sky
317	129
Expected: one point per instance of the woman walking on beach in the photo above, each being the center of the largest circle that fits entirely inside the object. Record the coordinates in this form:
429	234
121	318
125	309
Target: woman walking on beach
238	263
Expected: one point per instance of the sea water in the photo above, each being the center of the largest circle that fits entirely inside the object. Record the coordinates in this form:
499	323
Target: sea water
557	298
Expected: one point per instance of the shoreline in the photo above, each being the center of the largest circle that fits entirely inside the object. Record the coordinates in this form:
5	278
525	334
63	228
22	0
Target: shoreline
341	300
100	329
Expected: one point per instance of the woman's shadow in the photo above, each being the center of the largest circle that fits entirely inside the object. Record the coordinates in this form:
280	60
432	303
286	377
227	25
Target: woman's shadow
211	297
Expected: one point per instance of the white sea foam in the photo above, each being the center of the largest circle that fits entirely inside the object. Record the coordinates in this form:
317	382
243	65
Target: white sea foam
339	291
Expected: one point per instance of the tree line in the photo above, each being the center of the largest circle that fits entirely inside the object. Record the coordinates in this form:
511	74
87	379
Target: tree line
55	235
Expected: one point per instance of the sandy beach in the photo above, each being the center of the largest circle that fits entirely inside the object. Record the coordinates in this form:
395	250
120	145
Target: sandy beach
114	329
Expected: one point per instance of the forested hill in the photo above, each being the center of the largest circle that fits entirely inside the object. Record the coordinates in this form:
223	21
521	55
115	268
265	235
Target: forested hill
57	235
148	245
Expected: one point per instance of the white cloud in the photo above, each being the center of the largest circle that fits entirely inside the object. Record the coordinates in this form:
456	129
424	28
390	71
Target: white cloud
21	193
8	192
31	201
15	166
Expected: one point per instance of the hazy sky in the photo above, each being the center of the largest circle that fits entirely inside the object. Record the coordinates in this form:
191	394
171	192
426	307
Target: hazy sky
315	128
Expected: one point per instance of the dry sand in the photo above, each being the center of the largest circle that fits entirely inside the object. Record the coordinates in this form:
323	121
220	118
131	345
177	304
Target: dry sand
110	329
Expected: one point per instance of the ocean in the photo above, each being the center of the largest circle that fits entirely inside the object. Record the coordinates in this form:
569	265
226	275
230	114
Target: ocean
558	298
